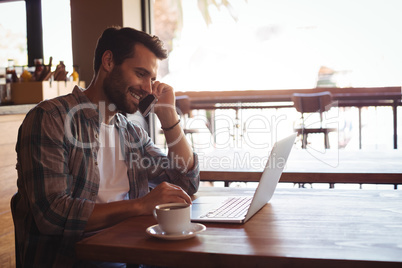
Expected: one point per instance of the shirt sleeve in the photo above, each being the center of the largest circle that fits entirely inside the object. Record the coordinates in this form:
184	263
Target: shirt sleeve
188	181
162	168
43	160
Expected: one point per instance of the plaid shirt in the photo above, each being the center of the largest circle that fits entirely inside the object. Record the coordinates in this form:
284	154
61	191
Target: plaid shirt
58	177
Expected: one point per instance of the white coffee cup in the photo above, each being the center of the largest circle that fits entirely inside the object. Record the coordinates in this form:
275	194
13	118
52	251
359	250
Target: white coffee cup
173	218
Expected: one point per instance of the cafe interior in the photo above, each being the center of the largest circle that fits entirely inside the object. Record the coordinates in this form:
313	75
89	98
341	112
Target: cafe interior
246	74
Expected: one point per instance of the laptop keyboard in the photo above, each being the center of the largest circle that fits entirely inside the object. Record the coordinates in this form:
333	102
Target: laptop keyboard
233	207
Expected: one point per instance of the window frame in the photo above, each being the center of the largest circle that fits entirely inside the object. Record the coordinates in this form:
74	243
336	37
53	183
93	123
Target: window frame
34	28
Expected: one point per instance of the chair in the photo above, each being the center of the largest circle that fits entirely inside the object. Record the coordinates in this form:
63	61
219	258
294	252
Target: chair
313	103
13	204
183	106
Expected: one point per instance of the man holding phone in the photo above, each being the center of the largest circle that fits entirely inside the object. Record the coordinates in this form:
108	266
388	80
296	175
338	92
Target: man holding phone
82	166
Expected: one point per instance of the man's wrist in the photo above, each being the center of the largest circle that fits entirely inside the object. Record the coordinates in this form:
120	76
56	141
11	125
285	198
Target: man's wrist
168	118
171	127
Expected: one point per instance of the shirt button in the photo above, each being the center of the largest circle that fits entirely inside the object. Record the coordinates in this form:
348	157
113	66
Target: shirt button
96	136
96	163
93	193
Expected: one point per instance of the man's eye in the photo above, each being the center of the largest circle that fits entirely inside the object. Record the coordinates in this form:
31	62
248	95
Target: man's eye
139	74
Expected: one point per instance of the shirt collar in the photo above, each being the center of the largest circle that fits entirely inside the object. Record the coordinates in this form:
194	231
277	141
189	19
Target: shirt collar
120	121
90	110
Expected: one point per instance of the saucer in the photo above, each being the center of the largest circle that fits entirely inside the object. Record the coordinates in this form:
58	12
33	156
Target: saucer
195	228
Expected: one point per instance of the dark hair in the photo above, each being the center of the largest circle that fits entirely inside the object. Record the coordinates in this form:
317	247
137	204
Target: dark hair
121	42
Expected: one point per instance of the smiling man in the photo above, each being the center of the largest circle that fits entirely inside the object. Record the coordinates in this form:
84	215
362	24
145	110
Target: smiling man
82	166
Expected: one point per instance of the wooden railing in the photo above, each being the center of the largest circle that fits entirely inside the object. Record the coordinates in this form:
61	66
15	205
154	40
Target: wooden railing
345	97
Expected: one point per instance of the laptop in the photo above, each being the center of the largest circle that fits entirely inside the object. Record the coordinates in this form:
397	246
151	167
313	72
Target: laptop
239	209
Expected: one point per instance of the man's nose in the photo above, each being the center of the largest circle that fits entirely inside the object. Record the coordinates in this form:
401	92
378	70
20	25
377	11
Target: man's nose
147	86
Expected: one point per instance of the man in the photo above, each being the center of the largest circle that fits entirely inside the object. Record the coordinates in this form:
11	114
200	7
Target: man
82	166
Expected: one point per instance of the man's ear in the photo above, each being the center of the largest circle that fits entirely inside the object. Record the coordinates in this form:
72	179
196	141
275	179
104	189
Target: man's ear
107	61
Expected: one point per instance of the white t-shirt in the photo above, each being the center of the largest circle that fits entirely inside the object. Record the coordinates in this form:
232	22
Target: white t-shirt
114	185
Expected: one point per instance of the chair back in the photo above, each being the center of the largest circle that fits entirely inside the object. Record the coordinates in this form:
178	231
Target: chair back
312	102
13	205
183	105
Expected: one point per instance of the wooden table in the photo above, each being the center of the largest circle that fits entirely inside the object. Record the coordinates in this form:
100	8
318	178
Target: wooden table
345	97
306	166
298	228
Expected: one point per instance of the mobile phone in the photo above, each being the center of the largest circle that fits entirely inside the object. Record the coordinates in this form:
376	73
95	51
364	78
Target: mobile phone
146	105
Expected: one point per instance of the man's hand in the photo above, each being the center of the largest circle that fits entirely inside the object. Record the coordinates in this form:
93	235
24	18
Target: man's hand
108	214
163	193
166	98
165	109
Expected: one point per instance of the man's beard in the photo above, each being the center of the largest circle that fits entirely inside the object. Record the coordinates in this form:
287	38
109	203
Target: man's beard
115	89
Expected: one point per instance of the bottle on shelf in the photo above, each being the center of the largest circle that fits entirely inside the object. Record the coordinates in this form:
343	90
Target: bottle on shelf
60	73
74	75
11	70
38	68
6	90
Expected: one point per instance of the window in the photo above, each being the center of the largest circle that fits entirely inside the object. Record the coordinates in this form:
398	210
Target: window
56	23
280	44
13	33
56	19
